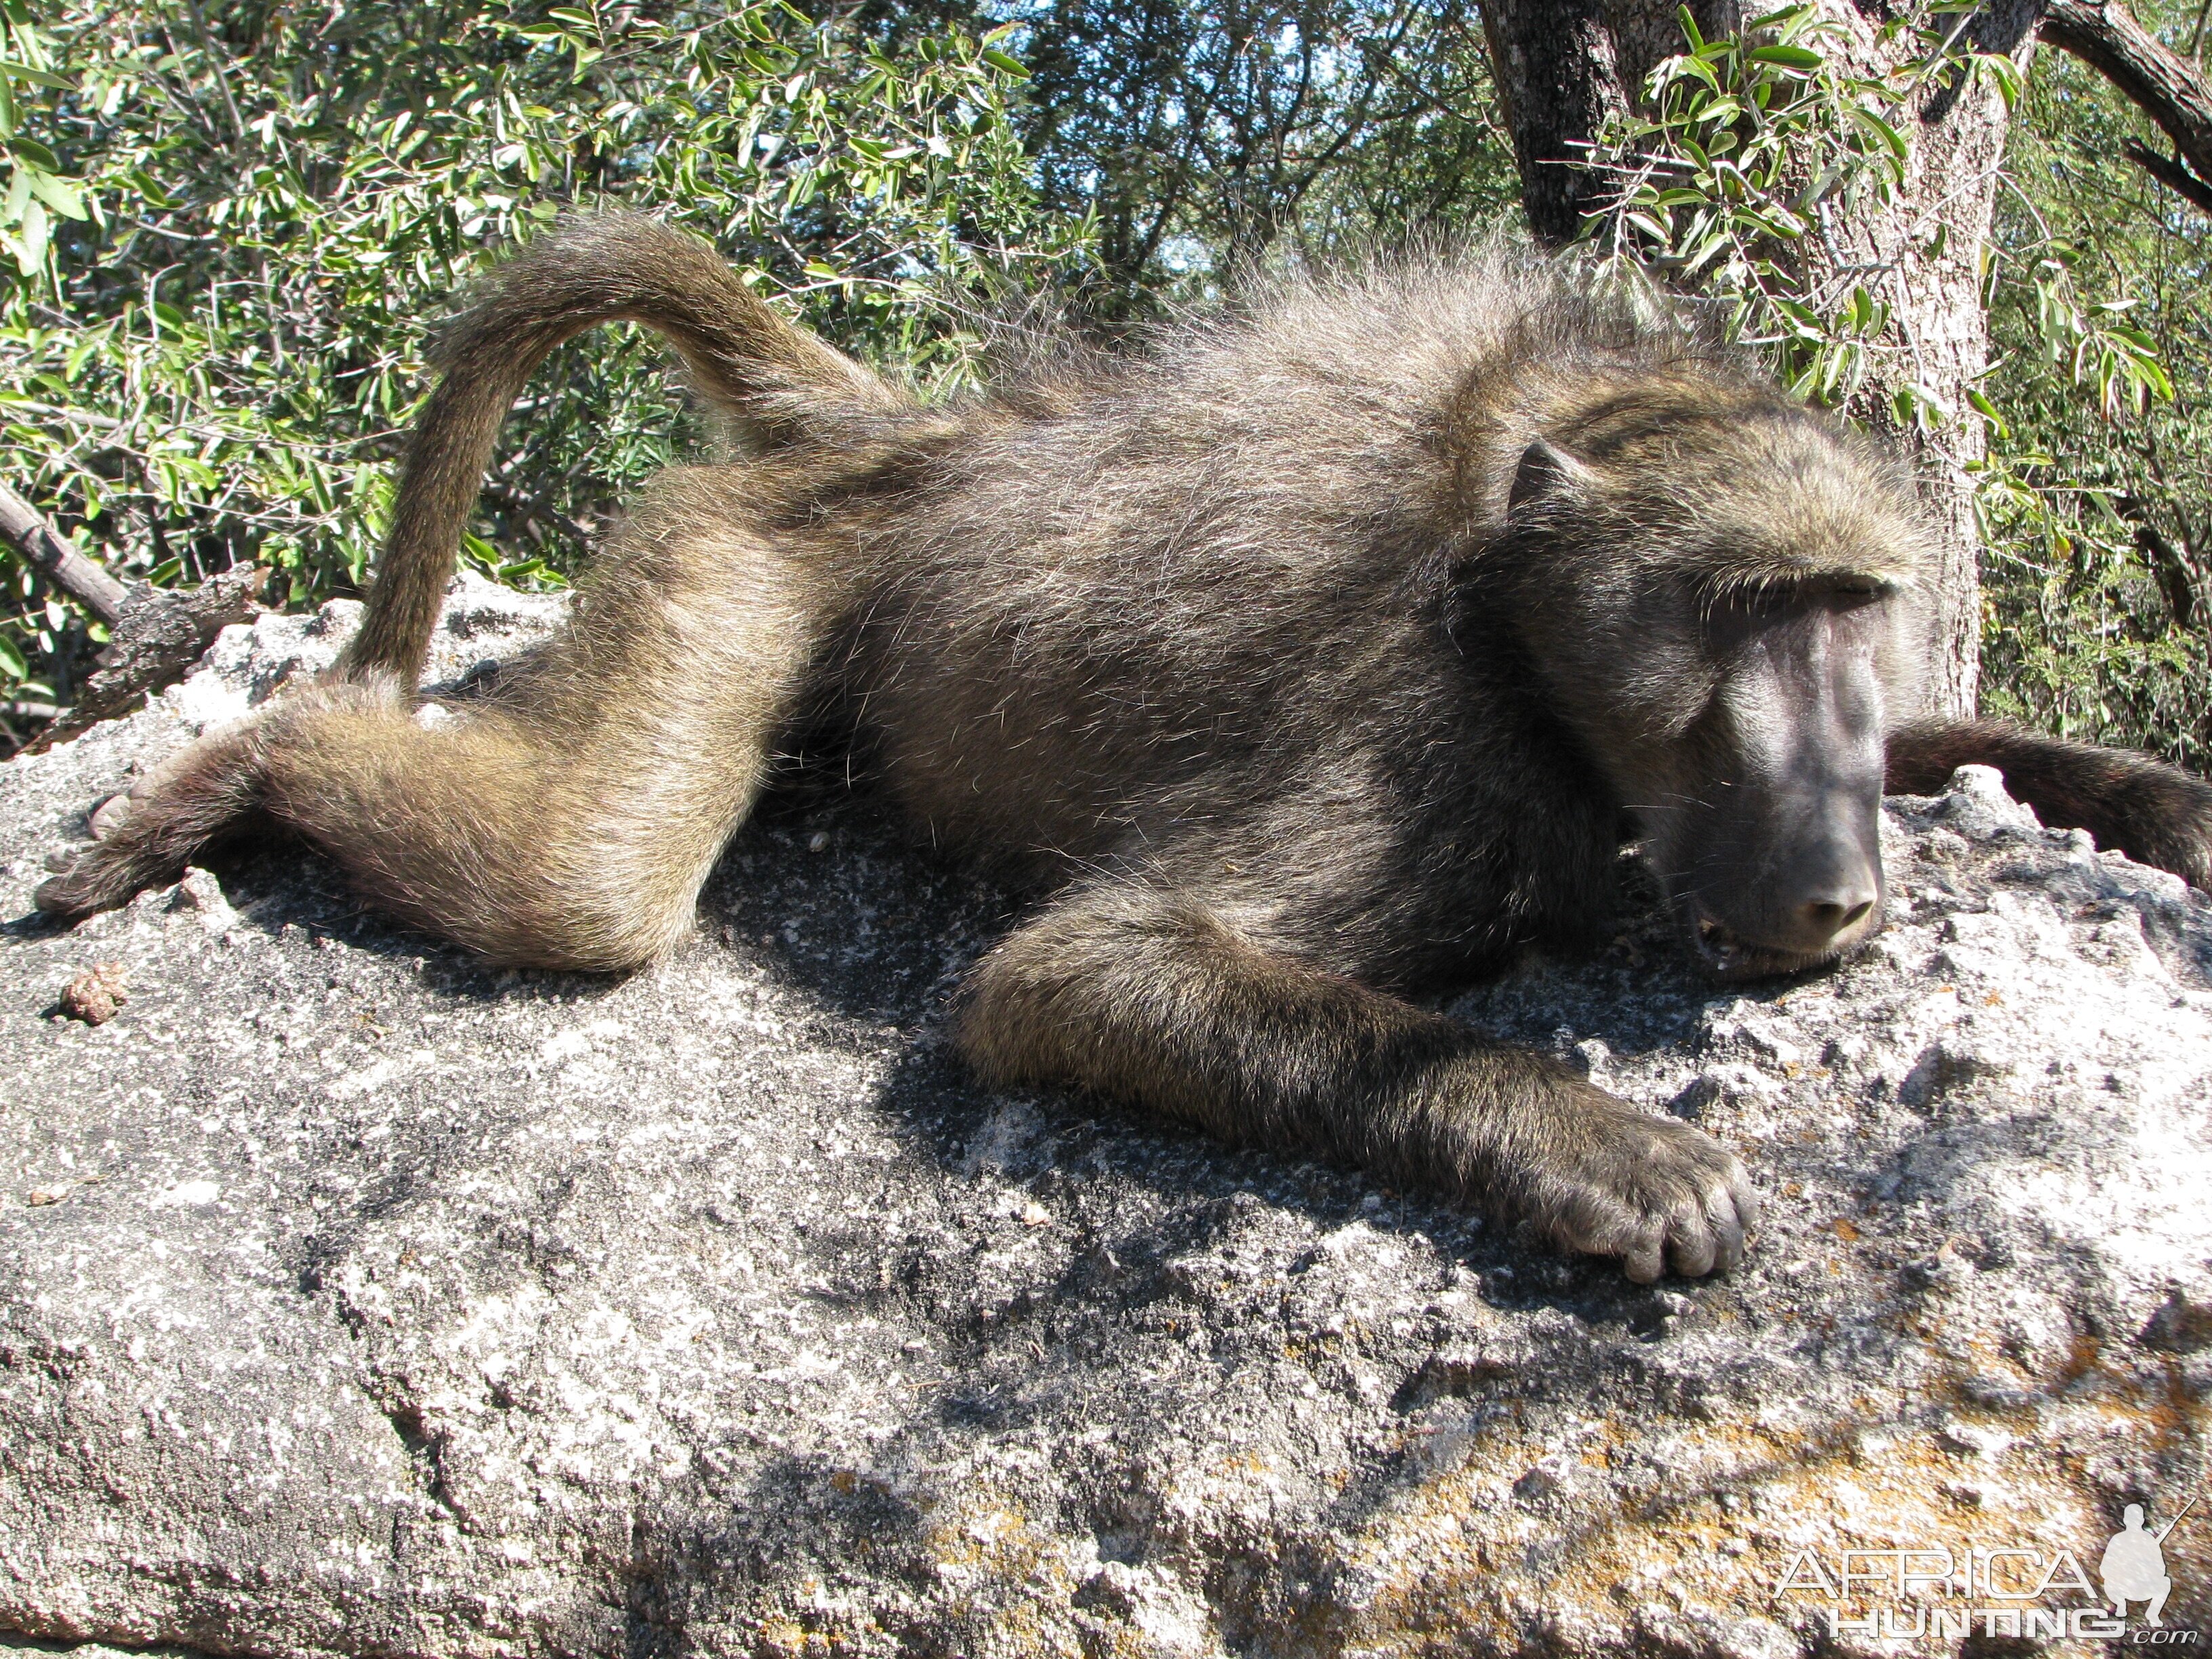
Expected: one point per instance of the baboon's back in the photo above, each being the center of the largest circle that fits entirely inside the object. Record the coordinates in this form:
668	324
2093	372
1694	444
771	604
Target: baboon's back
1218	574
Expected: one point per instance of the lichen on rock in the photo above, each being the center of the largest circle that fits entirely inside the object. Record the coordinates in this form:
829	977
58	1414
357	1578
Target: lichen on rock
357	1298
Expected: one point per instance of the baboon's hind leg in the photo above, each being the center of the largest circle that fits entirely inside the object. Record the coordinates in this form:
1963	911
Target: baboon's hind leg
568	825
202	793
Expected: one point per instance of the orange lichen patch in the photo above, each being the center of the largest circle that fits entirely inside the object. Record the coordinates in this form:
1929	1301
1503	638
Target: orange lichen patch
2081	1358
1009	1577
779	1636
1740	1498
1844	1229
817	1624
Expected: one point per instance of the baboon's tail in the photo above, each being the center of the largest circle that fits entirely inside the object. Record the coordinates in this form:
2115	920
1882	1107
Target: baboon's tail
2154	813
777	380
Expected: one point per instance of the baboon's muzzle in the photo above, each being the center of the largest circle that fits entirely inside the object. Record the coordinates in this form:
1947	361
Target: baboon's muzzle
1801	888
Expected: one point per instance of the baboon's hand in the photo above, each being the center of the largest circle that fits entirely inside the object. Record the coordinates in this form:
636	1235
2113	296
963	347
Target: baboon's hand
1654	1192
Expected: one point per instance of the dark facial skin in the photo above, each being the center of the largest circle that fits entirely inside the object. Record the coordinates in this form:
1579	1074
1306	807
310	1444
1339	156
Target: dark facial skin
1734	679
1769	845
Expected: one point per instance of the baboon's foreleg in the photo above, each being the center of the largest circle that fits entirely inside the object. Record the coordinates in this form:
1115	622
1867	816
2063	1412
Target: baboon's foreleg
1153	996
2154	813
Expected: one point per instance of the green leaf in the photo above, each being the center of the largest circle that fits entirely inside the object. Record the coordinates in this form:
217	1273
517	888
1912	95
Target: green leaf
1890	137
2003	74
1777	19
29	239
1699	69
1007	66
37	77
63	196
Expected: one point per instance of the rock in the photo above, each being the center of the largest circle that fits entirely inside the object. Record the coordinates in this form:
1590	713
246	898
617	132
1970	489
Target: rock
96	995
357	1299
201	893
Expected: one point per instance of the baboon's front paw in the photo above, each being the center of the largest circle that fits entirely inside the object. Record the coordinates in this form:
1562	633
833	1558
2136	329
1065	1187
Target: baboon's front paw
1650	1190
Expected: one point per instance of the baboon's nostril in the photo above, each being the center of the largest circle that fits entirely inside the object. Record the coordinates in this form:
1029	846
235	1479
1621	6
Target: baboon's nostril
1826	918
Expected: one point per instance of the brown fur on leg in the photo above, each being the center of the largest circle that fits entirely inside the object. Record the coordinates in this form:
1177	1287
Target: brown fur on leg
1152	996
569	822
2154	813
200	795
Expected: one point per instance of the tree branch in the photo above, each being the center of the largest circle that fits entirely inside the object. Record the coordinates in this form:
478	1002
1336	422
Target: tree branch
156	635
162	634
29	534
2175	579
2164	85
2171	173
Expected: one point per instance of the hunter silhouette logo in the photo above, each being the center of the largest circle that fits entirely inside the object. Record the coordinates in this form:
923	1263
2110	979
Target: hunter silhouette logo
2134	1567
2011	1592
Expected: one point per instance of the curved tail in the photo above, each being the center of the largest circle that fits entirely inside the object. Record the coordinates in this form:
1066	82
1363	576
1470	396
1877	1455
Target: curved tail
779	382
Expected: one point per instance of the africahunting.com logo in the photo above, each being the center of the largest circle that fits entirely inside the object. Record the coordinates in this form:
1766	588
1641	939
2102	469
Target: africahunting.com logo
2027	1594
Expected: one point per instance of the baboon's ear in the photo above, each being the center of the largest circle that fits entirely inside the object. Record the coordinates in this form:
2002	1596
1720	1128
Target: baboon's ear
1543	469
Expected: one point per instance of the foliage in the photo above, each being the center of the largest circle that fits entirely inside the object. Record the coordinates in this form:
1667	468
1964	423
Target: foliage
1766	158
2098	512
1208	137
229	242
1754	178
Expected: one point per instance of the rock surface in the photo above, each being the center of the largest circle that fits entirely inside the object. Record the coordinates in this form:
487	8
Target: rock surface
355	1298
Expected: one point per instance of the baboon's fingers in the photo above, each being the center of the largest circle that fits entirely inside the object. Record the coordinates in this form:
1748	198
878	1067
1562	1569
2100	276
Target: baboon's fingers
1653	1192
1690	1244
98	878
1645	1262
1729	1215
107	817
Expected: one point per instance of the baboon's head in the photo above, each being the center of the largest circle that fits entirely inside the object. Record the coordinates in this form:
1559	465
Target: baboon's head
1721	592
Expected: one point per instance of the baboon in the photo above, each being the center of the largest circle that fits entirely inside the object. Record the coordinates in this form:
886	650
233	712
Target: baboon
1308	662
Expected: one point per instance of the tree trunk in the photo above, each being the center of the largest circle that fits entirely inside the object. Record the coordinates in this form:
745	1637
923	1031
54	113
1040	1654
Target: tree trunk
1562	64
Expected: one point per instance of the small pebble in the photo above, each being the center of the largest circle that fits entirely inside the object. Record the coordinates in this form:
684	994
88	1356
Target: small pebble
94	994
